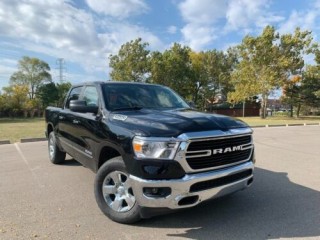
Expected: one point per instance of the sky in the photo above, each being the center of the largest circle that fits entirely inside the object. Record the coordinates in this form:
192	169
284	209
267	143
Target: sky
85	32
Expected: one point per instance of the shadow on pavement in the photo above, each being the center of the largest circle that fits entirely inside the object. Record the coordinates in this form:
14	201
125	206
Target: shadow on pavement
273	207
71	162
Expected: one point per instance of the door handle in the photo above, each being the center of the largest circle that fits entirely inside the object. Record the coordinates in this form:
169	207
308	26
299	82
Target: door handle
76	121
61	117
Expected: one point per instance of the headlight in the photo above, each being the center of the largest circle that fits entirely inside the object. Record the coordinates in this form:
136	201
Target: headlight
160	148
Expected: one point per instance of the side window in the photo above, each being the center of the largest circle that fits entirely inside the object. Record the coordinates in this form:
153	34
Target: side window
74	95
90	95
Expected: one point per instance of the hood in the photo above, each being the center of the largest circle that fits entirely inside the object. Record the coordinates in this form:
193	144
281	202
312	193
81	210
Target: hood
172	123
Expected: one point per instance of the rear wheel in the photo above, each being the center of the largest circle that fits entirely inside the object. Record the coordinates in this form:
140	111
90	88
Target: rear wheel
114	193
56	156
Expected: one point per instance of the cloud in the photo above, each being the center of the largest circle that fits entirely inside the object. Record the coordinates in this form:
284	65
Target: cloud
305	19
172	29
207	20
200	17
119	9
197	37
59	29
202	12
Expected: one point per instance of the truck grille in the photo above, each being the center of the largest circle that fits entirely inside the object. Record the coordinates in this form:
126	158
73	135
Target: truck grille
215	153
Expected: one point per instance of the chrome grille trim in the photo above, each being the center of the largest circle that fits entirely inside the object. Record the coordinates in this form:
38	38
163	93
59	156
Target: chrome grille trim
181	155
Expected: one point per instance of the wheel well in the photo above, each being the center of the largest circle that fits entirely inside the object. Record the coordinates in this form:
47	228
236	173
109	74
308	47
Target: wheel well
49	129
106	154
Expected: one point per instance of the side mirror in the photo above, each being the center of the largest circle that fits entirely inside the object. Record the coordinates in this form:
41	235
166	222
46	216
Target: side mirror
81	106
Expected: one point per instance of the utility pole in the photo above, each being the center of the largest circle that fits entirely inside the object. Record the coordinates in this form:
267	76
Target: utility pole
61	68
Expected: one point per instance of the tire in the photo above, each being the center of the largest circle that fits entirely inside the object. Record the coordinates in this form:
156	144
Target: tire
56	156
114	194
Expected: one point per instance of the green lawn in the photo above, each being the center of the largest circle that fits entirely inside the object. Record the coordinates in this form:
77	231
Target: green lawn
15	129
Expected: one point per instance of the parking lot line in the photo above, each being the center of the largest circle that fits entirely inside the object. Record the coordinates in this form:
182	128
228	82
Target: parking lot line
28	165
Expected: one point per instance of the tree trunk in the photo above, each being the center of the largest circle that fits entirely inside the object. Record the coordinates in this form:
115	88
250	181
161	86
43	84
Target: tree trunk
298	109
291	103
263	107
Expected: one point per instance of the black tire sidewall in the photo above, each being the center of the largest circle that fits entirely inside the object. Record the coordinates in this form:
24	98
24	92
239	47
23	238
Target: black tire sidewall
131	216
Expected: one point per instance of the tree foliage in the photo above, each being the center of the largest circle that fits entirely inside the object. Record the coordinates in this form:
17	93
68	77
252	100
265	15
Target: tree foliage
131	63
293	47
32	72
14	99
53	94
48	94
211	72
268	62
172	68
260	68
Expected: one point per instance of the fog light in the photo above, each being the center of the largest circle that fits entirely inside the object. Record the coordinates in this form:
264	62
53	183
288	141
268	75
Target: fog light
157	192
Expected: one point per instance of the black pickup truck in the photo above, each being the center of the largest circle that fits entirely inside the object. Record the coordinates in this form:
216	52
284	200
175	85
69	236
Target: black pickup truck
150	150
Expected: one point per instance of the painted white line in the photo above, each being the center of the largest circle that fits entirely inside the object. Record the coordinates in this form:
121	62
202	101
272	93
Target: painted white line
22	156
28	165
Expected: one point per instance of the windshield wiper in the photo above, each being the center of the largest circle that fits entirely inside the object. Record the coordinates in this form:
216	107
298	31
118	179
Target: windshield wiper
128	108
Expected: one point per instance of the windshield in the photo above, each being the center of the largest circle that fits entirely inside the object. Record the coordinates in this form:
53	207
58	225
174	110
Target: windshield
137	96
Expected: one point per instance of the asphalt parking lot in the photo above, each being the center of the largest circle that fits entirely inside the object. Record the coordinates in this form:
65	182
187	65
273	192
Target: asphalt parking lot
39	200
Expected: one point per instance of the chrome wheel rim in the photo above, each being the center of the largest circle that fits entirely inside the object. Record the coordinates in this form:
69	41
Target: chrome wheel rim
51	147
117	192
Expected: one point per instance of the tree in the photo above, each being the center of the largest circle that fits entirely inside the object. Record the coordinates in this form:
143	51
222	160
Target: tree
15	99
53	94
172	68
310	87
291	93
199	75
293	47
131	63
63	89
48	94
31	72
211	72
260	68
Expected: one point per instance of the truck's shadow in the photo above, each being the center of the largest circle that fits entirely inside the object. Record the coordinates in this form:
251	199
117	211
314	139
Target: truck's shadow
71	162
274	207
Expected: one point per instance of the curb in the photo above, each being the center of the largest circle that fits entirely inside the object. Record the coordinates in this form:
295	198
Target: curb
4	142
286	125
26	140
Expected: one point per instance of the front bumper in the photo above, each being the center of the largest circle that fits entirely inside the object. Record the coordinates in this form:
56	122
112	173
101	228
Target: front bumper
182	190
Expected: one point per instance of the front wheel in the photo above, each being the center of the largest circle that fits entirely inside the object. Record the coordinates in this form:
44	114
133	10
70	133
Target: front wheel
114	193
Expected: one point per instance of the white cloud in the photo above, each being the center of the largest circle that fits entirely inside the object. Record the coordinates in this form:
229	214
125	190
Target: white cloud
119	9
172	29
200	17
246	14
202	12
207	20
198	37
58	29
305	19
240	13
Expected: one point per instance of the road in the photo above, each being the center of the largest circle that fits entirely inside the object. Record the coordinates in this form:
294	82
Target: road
39	200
